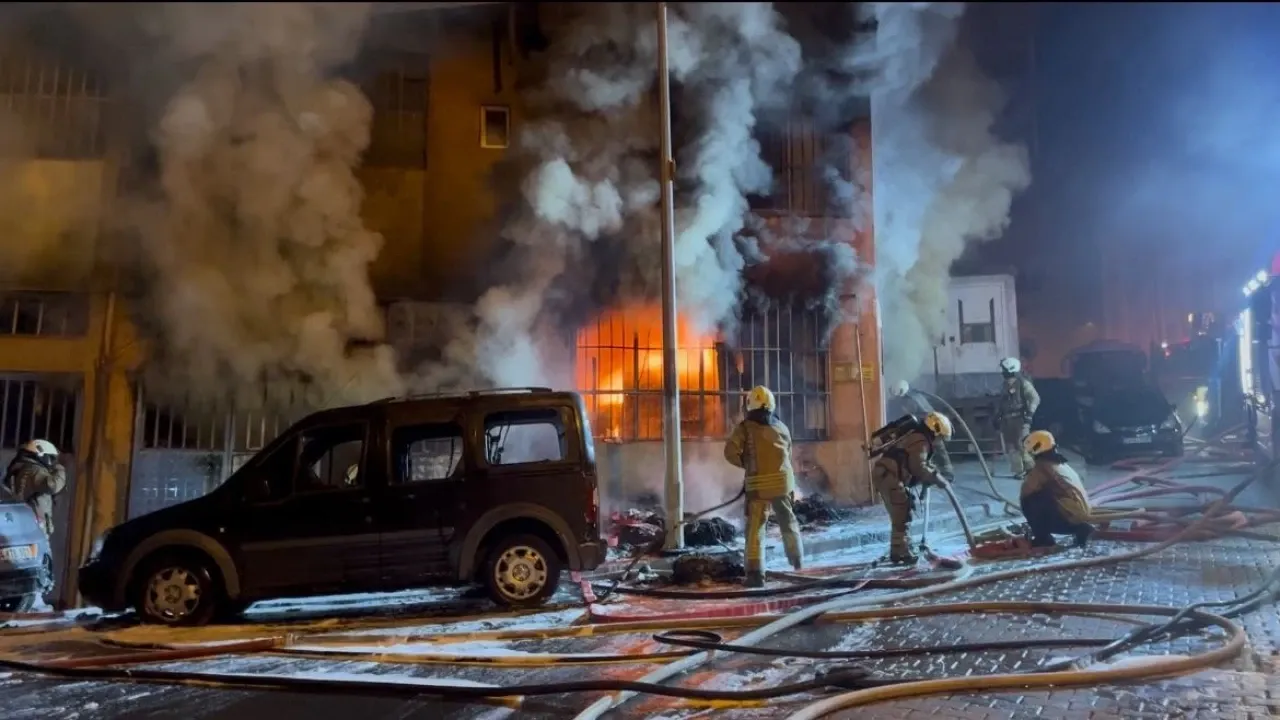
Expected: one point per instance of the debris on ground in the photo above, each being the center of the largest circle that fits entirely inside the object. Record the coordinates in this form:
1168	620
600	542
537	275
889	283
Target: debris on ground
815	509
705	569
636	529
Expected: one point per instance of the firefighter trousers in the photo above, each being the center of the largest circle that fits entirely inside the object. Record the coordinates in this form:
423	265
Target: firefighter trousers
900	502
757	516
1014	432
1044	515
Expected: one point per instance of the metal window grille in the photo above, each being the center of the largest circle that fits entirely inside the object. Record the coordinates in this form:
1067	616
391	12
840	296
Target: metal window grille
37	409
398	137
45	314
802	160
60	108
619	372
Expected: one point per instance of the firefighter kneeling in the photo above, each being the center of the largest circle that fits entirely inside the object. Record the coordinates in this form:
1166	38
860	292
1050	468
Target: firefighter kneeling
1053	499
761	445
902	467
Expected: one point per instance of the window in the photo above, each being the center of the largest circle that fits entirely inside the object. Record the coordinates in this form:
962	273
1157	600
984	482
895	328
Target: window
398	136
977	332
619	372
495	127
47	314
272	480
812	171
61	107
425	453
330	458
527	436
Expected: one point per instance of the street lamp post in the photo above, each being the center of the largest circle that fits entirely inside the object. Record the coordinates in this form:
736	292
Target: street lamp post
674	480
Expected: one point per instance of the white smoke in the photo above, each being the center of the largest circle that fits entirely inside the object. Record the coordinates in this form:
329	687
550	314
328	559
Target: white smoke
941	178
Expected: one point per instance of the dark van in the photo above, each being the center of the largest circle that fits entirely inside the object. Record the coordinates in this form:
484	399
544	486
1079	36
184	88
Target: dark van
495	488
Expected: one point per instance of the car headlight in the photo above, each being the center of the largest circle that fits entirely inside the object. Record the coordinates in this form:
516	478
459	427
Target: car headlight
1100	428
1171	423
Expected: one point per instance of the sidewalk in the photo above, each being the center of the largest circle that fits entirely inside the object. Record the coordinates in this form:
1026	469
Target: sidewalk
869	526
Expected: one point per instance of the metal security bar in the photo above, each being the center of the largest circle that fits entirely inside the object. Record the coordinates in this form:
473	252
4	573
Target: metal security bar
398	137
47	314
619	372
181	456
60	108
803	161
38	409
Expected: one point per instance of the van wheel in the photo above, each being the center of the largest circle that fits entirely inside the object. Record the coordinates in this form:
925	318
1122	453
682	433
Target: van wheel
177	590
522	571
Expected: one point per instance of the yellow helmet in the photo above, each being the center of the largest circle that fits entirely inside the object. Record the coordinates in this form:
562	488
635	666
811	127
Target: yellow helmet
761	397
938	424
1040	441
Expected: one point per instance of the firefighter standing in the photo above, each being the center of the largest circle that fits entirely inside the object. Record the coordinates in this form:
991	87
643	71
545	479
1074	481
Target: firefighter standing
1053	499
761	445
1018	403
35	476
900	471
916	403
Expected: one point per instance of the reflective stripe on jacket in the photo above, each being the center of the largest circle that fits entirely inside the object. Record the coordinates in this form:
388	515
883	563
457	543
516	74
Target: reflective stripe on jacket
763	450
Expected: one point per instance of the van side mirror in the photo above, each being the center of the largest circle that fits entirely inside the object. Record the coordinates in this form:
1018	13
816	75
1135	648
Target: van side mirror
258	489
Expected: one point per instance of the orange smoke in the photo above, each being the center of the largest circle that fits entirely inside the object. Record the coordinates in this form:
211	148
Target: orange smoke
619	371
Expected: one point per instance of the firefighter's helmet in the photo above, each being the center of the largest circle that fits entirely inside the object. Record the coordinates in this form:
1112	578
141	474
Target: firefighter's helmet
938	424
761	397
1011	366
899	389
42	449
1038	442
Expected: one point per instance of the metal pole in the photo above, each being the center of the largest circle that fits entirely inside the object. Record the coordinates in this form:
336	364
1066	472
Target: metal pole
670	377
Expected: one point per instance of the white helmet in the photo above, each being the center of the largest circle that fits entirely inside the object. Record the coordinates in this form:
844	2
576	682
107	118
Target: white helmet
899	388
1040	441
41	448
938	424
1011	366
761	397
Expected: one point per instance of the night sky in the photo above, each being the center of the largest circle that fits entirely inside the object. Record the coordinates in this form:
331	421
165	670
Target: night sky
1156	154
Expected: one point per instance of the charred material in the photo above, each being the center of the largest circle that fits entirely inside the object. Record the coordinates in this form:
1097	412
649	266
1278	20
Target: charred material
636	529
816	510
706	569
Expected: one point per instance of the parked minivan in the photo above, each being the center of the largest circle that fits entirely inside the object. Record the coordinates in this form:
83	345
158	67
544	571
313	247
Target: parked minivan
494	487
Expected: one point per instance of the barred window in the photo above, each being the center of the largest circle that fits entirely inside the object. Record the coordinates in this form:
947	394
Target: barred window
44	408
59	108
619	371
398	137
806	165
44	314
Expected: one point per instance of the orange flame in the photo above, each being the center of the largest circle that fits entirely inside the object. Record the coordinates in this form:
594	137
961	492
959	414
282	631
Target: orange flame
619	367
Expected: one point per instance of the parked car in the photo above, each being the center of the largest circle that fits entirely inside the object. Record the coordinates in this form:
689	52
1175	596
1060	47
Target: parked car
495	488
26	563
1108	409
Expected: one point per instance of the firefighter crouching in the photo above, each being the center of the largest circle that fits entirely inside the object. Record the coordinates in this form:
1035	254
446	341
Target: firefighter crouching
761	445
35	476
1018	403
915	403
899	472
1053	499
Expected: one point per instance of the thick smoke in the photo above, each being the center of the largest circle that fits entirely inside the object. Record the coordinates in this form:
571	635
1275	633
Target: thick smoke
941	178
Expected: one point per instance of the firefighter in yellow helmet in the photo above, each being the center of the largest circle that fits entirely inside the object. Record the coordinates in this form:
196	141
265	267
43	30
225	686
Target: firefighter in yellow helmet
761	445
1053	499
899	473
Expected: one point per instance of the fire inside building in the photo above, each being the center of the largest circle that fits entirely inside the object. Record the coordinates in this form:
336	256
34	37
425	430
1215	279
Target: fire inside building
72	361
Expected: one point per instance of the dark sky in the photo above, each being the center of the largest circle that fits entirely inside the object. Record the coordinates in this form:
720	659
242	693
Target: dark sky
1157	130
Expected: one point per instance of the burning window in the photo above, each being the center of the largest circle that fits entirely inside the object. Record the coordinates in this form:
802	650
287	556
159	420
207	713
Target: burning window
619	372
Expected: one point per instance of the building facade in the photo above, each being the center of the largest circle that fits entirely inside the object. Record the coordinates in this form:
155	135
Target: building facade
69	357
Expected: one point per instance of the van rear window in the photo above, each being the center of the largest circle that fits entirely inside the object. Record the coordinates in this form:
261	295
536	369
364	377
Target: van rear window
526	436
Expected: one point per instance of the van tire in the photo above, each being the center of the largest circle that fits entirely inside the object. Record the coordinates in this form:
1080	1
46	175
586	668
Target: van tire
161	582
522	571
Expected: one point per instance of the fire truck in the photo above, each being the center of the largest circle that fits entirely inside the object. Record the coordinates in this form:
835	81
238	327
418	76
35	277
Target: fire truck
1258	348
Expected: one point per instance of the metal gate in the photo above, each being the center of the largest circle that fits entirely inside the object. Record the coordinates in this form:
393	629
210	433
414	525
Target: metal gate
45	407
179	457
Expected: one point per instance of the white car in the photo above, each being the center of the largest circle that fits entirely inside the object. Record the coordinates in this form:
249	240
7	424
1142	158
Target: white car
26	564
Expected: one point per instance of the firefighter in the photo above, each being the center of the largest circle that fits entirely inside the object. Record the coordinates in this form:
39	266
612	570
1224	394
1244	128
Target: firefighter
898	474
35	476
1053	499
761	445
916	403
1018	403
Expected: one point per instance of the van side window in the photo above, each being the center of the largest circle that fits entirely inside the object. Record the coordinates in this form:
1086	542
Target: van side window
424	453
331	458
275	473
526	436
